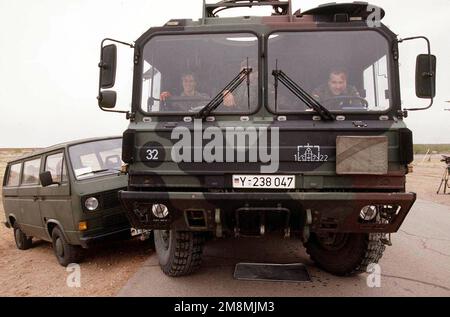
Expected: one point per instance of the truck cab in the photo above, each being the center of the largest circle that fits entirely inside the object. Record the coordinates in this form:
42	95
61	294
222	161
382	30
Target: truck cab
288	123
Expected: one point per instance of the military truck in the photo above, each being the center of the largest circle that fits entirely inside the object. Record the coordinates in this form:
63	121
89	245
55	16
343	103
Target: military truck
290	123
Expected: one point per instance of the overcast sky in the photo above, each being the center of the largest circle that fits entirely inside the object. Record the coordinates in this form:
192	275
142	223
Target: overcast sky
49	51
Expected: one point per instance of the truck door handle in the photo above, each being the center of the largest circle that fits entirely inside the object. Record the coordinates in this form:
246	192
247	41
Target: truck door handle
35	198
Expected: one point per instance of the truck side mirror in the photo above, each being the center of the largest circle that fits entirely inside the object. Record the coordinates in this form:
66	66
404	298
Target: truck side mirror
107	99
107	76
107	66
426	76
47	179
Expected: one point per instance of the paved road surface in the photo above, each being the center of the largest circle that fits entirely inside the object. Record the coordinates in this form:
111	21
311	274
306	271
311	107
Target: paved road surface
418	264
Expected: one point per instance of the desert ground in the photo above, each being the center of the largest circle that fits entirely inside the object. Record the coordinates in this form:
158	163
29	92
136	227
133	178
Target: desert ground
106	269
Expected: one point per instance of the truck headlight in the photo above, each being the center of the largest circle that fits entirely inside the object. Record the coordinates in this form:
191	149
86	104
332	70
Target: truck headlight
368	212
160	210
91	203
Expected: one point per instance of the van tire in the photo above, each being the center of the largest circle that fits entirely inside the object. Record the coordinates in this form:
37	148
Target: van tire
65	253
352	255
179	252
22	241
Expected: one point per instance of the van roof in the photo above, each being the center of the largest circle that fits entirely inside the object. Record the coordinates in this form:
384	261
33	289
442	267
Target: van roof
59	146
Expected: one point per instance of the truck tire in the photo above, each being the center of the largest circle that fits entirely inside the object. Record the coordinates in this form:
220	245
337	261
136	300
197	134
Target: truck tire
22	241
65	253
179	252
348	254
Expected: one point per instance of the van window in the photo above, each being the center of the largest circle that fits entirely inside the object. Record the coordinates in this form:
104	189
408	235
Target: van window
31	172
112	158
90	160
96	158
14	175
55	165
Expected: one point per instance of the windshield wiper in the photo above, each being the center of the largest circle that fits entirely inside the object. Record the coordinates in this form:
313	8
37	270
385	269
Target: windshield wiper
99	171
229	88
300	93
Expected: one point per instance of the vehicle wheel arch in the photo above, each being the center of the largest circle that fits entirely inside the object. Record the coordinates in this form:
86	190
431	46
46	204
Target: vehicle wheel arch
12	219
65	252
52	224
23	242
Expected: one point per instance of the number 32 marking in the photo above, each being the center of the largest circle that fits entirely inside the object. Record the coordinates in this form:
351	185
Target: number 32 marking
152	154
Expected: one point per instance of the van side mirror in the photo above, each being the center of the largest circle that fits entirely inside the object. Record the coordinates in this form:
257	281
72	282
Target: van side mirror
47	179
425	76
107	66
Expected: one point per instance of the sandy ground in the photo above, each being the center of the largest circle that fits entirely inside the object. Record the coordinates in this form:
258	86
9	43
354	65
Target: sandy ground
105	270
425	179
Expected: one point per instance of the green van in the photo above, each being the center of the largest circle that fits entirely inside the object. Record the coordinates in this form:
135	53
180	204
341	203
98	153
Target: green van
67	194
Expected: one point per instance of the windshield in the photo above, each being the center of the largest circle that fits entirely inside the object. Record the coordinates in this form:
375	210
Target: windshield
183	73
344	71
96	158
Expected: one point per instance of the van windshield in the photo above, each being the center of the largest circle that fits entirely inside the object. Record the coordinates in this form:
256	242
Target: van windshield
97	158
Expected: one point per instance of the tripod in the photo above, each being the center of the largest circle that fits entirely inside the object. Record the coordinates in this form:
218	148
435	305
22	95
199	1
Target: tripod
444	180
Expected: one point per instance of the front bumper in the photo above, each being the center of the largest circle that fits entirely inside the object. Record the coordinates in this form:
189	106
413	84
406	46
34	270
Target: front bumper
118	234
329	211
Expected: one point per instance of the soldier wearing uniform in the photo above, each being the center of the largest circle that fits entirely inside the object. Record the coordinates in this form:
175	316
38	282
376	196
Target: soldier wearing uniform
335	87
189	83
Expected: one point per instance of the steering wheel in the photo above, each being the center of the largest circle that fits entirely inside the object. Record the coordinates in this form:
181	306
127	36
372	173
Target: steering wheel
340	99
184	103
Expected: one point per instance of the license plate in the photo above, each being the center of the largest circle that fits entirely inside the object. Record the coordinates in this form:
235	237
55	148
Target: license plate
264	181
